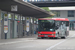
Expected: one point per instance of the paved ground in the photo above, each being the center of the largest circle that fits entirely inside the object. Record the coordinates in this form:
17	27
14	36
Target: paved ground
32	43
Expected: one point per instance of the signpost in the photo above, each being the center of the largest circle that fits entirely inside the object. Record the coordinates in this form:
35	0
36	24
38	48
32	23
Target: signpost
5	25
27	25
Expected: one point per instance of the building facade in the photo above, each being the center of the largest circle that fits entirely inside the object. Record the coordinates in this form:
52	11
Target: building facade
65	13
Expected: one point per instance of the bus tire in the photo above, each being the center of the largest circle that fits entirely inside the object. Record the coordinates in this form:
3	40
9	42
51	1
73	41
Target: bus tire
56	38
42	37
63	37
50	37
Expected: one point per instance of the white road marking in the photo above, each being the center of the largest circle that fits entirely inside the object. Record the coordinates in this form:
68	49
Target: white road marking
26	46
14	42
59	43
10	42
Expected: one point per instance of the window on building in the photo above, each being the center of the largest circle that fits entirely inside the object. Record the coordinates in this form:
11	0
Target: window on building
57	13
70	13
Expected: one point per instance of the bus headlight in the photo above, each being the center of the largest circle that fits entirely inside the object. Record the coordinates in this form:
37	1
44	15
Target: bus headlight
53	34
39	34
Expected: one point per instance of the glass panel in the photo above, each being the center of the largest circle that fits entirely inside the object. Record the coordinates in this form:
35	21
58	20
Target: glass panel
16	17
46	25
70	13
9	16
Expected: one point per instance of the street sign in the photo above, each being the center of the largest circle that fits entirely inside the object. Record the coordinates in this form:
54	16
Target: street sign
27	24
13	7
5	29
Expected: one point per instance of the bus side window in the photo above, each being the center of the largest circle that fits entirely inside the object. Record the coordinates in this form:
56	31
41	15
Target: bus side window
57	24
67	23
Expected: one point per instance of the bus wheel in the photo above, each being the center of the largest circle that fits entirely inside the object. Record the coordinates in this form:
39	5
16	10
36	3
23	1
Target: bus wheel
50	37
42	37
63	37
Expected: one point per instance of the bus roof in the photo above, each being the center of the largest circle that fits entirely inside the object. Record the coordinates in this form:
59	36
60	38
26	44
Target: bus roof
45	19
59	19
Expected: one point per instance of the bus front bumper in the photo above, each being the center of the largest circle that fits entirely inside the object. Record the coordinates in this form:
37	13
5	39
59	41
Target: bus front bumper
46	35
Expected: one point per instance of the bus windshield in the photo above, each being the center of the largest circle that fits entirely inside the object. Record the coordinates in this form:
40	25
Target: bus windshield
46	25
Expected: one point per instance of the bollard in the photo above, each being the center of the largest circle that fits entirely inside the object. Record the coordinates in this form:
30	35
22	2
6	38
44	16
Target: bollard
5	31
27	33
5	35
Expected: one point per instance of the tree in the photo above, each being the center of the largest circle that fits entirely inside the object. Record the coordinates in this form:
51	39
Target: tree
45	8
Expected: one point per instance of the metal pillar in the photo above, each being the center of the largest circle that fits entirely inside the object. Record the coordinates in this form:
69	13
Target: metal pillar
25	26
2	26
21	26
8	35
15	25
33	25
0	23
18	25
30	26
20	34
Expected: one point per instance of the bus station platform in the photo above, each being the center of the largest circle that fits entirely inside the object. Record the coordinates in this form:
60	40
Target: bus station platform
19	18
18	40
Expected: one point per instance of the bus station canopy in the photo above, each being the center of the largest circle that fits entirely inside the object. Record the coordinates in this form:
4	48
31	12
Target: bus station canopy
23	8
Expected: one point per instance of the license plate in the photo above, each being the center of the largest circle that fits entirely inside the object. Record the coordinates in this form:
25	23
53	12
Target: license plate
45	35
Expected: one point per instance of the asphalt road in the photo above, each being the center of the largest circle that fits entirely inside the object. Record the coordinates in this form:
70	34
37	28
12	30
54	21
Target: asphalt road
41	44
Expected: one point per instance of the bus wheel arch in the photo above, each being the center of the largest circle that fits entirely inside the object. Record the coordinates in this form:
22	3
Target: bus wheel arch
57	36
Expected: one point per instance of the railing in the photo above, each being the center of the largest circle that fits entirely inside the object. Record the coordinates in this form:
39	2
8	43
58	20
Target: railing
45	0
